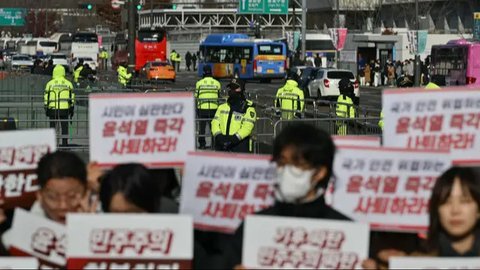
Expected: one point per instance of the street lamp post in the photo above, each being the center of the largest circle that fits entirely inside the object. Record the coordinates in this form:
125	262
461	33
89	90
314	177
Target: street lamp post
417	56
337	22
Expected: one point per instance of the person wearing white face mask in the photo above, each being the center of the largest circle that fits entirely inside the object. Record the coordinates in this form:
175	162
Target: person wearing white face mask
304	156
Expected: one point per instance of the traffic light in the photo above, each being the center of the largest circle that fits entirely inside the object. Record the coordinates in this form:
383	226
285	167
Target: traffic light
139	7
174	6
86	6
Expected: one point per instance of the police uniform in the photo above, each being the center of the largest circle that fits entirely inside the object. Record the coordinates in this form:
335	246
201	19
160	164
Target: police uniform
59	100
206	93
234	121
289	99
76	73
344	108
123	75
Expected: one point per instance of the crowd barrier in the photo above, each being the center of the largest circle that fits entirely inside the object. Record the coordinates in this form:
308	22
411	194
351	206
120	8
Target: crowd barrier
28	111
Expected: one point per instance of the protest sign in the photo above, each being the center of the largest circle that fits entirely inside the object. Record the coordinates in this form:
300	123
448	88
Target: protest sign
7	263
433	263
219	190
154	129
33	235
357	141
20	152
387	187
129	241
284	243
446	119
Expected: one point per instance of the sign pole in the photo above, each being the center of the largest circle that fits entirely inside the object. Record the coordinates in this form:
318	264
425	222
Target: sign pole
304	28
417	56
131	33
337	22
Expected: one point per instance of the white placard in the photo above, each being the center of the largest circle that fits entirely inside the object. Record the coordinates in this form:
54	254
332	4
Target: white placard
154	129
433	263
220	189
20	152
36	236
369	141
137	241
446	119
7	263
285	243
386	187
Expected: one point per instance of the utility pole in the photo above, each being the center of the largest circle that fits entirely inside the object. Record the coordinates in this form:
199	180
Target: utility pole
304	28
337	22
132	4
151	13
417	56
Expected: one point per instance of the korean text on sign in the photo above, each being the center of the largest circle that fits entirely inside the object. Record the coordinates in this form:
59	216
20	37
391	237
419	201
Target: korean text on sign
154	129
276	242
434	120
20	152
387	187
220	190
32	235
129	241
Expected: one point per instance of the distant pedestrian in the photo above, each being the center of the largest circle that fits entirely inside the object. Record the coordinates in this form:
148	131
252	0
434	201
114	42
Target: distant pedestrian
194	62
188	60
318	61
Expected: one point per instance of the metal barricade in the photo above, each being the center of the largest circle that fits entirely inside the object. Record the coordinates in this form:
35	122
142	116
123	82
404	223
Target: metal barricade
29	113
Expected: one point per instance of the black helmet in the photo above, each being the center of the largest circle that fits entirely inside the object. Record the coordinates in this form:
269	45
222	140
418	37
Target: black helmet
292	76
207	71
346	87
236	85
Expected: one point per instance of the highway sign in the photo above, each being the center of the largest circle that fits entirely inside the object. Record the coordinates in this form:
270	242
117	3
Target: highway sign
12	16
263	7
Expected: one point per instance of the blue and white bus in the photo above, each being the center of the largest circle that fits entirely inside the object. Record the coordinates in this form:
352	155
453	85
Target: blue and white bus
237	55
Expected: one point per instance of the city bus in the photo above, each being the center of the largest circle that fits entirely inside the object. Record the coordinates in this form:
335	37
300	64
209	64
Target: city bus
236	55
457	62
150	45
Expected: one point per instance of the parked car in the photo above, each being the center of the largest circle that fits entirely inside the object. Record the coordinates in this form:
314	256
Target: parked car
158	70
60	59
86	60
21	62
325	84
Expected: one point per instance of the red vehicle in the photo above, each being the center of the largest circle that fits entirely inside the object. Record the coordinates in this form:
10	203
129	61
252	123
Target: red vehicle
150	45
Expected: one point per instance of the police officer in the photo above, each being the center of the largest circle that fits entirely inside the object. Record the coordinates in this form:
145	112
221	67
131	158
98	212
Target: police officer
345	107
234	121
76	72
173	59
206	92
104	58
290	98
59	101
123	75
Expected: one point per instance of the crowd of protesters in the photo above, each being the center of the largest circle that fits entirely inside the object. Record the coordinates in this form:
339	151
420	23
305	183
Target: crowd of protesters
304	158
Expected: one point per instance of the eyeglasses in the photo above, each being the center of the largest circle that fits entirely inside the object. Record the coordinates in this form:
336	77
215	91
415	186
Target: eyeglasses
71	198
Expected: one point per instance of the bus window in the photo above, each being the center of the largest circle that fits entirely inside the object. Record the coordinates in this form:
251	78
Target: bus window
48	44
150	36
243	53
85	37
219	55
270	49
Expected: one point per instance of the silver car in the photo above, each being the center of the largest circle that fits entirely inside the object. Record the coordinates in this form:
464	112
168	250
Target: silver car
325	83
21	62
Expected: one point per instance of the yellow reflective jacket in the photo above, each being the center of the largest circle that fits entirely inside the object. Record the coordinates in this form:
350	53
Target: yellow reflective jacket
432	85
123	75
290	98
76	74
59	91
241	125
206	92
345	107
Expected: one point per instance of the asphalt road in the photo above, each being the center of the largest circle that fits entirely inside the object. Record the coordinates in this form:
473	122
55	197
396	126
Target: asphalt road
370	97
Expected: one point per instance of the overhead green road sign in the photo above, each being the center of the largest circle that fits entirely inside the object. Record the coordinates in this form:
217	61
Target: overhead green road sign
12	16
263	7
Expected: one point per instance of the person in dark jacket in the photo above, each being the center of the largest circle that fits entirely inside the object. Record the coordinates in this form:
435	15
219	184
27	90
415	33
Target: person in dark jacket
304	156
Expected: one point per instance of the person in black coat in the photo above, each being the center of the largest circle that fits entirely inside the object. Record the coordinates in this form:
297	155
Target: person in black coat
304	155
